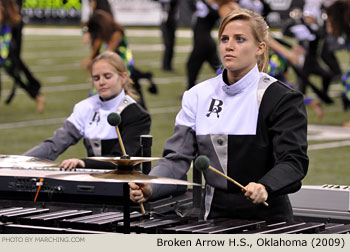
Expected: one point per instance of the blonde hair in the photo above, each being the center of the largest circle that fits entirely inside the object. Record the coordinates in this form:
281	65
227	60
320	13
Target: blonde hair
259	28
118	64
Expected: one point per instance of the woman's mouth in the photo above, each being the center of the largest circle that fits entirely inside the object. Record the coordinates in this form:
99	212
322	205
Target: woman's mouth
229	56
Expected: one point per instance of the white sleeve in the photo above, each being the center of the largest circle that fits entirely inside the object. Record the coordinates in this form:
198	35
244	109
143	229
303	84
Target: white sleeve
187	114
77	119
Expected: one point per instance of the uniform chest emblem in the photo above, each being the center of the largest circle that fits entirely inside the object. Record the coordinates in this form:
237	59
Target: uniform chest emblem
95	118
215	107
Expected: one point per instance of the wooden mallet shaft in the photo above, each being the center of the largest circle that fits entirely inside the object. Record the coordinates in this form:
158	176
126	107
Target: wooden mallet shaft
114	120
232	180
202	163
124	154
120	141
143	211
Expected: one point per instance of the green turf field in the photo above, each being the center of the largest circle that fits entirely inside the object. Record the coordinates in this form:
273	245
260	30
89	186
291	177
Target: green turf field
55	61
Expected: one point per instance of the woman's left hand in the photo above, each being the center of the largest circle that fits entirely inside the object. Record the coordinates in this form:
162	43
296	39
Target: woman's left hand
256	193
72	163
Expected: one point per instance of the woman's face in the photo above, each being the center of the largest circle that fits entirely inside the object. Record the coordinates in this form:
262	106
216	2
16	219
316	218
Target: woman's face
107	81
238	48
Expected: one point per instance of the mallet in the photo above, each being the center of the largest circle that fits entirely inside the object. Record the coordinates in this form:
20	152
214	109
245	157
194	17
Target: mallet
202	163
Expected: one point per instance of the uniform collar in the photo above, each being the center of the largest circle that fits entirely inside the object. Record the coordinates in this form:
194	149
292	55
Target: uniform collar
249	79
112	103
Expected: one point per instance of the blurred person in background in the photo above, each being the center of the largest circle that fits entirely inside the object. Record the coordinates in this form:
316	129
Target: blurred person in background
339	19
282	56
338	24
10	56
88	7
259	6
206	16
168	27
328	43
115	93
107	34
309	34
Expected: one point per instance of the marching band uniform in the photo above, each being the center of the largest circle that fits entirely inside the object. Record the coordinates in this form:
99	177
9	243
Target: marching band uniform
253	131
89	121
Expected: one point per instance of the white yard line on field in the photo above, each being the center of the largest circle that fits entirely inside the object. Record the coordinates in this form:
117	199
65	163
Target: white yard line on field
83	54
25	124
145	32
62	88
77	32
327	133
86	86
329	145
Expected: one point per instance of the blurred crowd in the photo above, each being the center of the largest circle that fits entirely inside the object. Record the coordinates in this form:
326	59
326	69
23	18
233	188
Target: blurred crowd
316	29
317	32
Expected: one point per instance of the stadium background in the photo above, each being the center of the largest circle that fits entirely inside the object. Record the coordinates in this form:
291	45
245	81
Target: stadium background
65	12
52	47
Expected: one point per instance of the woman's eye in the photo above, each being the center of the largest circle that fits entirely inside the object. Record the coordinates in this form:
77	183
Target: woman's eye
224	39
240	39
108	76
95	78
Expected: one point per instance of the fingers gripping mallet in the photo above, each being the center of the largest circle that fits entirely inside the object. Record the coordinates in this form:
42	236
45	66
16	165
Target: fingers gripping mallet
202	163
114	119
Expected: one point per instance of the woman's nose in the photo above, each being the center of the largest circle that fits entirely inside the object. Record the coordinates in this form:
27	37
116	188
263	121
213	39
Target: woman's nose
230	45
101	81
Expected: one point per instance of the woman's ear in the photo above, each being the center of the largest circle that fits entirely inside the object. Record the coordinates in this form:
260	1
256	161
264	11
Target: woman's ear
261	48
124	76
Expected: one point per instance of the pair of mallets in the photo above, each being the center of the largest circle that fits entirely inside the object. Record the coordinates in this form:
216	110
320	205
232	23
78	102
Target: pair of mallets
202	163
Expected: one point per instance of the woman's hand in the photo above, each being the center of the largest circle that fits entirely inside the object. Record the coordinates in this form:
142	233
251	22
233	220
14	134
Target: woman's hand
140	192
256	193
72	163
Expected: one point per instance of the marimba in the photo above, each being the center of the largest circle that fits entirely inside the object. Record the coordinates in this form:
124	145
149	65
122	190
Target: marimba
30	218
43	220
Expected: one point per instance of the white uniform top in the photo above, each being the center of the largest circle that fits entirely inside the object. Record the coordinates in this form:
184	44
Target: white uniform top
90	117
216	108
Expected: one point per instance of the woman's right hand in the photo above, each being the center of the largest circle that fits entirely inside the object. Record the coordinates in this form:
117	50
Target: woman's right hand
140	192
72	163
